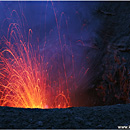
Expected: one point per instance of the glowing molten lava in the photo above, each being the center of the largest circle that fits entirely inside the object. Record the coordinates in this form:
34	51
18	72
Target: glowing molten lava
24	76
37	78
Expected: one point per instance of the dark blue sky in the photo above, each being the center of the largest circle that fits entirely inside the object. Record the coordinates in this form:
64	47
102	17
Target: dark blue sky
77	14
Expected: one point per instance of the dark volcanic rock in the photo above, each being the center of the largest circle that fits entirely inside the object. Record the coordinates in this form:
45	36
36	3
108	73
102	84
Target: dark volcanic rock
79	117
108	78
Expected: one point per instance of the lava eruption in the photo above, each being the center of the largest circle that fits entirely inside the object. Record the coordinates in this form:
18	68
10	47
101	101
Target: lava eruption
43	57
27	78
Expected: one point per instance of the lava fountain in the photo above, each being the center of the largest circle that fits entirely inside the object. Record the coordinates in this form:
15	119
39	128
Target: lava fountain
24	77
20	73
27	78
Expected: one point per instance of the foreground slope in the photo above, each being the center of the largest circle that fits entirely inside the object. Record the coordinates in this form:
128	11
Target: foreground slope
78	117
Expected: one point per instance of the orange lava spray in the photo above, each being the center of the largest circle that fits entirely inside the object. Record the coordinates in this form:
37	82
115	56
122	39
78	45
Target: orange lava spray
24	75
27	80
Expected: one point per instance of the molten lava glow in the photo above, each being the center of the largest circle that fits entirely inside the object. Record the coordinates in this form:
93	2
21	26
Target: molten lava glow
27	80
24	76
20	77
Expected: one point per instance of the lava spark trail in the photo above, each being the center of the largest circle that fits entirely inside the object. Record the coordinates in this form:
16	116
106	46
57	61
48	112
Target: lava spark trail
23	75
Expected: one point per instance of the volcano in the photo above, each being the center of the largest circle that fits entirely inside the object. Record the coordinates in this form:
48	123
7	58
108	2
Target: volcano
70	59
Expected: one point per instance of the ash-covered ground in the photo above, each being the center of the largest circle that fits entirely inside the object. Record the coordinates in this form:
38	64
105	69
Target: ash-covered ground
107	117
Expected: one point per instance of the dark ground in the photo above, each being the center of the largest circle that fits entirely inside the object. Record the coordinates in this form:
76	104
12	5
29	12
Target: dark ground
79	117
